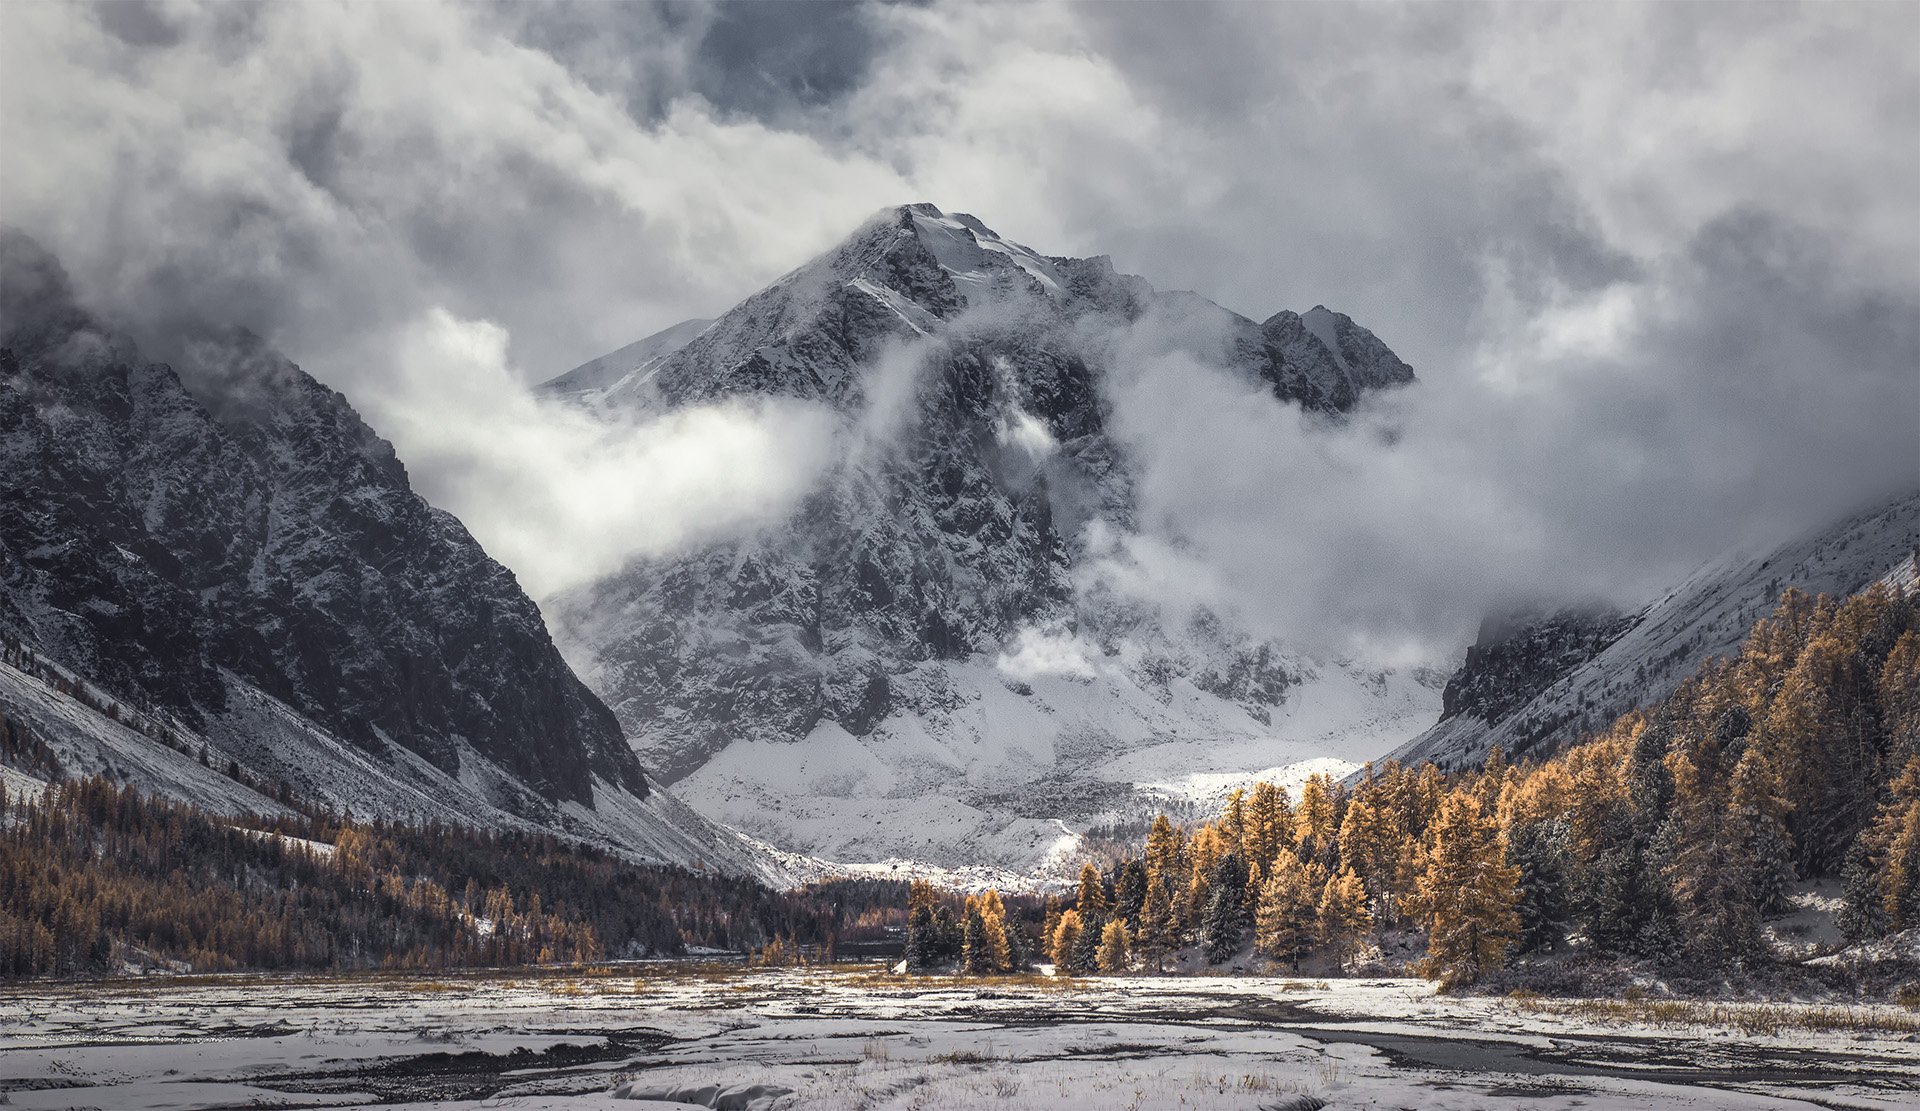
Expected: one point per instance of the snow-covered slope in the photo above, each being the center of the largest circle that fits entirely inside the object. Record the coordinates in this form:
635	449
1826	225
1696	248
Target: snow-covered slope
244	565
1707	615
935	658
272	744
969	767
623	369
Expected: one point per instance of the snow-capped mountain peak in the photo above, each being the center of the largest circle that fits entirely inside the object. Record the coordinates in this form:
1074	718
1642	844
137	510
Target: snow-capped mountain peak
927	661
914	272
975	255
625	368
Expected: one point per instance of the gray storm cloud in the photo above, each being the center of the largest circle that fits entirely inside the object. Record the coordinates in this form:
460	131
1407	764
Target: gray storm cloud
1655	265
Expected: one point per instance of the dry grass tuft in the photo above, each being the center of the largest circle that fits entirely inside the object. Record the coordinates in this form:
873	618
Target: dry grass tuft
1766	1019
963	1057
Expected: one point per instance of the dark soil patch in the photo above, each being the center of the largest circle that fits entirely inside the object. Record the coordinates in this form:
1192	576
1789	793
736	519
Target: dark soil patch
475	1074
1619	1059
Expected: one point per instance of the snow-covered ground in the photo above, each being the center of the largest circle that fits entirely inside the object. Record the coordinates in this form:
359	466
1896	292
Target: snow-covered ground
1005	775
857	1038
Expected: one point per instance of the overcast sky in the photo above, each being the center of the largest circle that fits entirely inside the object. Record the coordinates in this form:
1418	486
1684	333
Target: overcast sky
1658	268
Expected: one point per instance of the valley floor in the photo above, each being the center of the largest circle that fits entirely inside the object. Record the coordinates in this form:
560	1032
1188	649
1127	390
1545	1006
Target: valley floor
856	1037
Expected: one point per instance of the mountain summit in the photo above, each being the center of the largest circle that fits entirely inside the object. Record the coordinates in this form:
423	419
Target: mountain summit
930	659
914	271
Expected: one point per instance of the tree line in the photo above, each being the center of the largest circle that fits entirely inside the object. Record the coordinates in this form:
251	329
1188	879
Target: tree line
1669	837
95	876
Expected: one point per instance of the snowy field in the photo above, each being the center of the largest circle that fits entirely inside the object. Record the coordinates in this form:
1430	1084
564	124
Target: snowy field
858	1038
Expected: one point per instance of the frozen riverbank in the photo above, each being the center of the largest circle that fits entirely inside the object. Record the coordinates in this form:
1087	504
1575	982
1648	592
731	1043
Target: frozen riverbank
856	1038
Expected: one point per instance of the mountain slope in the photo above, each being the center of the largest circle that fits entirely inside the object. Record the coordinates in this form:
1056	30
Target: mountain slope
622	369
271	744
245	563
932	658
1643	661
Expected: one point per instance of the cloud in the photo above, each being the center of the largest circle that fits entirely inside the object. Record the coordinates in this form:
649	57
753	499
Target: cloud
1595	455
1022	430
564	496
1048	653
1654	264
319	169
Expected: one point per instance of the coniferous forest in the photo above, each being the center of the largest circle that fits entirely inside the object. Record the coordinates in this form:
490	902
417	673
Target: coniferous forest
1671	838
95	877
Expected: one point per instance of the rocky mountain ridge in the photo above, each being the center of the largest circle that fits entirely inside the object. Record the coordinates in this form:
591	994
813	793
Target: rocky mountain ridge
235	554
1551	680
1518	655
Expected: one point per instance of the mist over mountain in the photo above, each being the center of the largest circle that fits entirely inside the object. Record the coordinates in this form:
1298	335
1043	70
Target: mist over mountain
1533	684
956	636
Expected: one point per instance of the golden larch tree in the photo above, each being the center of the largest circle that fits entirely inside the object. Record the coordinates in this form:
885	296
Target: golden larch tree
1344	918
1116	948
1468	894
1286	921
1066	938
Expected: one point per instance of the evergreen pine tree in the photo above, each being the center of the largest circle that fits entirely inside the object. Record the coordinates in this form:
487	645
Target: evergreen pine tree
1129	892
946	937
1757	815
920	938
1709	872
1863	914
976	959
1019	952
1085	956
1224	924
1539	851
